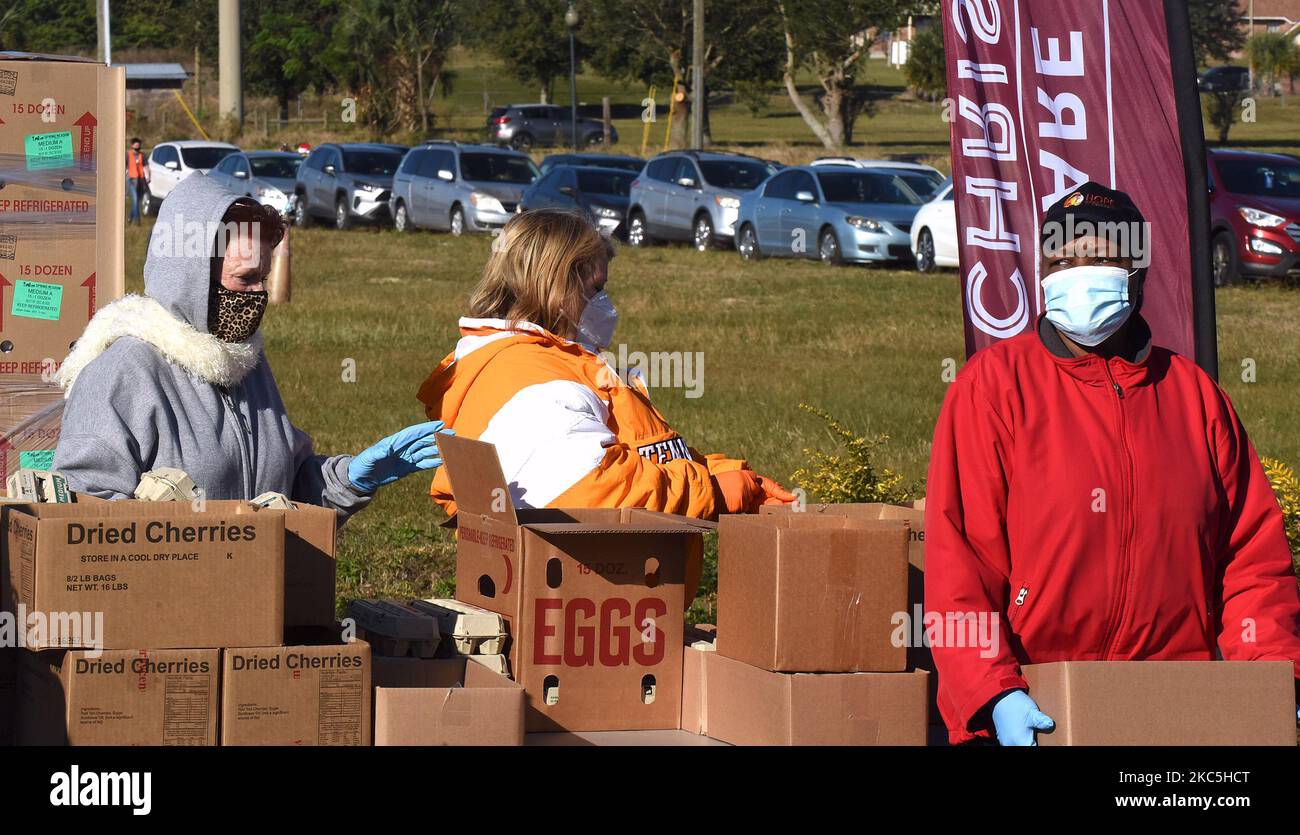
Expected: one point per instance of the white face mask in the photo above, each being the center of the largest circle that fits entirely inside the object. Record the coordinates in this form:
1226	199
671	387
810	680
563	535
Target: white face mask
1089	303
596	326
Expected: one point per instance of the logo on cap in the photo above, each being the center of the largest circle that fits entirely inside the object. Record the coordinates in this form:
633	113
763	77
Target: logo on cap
1073	200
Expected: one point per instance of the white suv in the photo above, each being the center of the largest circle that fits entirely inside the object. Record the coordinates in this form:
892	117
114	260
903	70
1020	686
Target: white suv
171	162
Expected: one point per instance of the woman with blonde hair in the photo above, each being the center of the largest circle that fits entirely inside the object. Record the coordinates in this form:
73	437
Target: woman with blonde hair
527	377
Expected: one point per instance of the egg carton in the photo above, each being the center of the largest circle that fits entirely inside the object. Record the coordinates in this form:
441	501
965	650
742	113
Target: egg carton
395	629
472	630
38	486
496	663
166	484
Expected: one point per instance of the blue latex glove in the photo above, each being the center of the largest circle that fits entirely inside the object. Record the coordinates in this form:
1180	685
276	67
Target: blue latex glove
397	456
1016	716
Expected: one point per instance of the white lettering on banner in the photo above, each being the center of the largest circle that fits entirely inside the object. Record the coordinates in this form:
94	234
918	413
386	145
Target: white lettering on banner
981	318
1053	63
989	116
987	73
996	236
1058	106
1061	170
986	16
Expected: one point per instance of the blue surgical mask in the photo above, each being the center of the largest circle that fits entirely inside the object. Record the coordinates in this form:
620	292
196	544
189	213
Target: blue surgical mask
1088	304
596	326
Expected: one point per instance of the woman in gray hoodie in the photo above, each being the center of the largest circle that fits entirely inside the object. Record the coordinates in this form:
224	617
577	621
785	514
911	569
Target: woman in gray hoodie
177	377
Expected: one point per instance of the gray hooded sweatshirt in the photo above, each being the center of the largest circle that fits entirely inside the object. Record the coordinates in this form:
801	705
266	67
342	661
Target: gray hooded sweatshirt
148	386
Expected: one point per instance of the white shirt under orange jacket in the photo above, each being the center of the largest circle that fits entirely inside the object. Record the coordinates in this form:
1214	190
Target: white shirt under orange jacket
568	430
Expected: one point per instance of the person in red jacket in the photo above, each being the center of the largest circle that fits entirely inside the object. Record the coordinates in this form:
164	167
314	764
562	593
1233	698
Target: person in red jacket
1093	496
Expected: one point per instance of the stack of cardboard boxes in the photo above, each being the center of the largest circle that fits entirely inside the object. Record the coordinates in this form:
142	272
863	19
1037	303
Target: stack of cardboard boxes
806	650
164	623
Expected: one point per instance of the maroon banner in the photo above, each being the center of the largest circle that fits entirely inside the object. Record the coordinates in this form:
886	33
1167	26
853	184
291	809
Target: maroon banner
1046	95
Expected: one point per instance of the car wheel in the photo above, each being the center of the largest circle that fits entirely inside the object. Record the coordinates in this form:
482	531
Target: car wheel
1223	259
342	219
828	248
702	233
636	230
747	244
457	223
148	203
925	252
301	217
522	142
401	222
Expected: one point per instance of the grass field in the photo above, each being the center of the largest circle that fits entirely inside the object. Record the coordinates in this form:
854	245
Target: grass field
867	345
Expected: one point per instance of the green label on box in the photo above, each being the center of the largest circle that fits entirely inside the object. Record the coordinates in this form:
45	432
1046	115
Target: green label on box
48	150
37	300
36	459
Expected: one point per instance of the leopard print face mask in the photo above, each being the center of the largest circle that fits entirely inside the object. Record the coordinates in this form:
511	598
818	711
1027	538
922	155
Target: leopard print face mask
232	316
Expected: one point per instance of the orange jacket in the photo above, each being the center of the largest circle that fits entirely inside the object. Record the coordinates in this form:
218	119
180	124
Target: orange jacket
568	430
135	165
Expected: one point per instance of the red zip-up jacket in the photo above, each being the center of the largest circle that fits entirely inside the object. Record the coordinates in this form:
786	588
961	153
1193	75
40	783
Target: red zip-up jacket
1101	510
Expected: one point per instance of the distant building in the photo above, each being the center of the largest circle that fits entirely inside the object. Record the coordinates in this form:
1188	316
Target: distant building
1272	16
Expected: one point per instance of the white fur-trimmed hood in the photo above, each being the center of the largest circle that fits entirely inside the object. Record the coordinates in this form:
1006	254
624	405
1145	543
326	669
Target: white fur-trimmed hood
202	355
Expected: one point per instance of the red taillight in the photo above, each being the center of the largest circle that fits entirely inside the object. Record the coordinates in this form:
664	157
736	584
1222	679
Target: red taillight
502	120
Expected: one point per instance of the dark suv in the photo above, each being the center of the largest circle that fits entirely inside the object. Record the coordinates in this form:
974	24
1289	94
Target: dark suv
521	126
1225	79
346	182
1254	214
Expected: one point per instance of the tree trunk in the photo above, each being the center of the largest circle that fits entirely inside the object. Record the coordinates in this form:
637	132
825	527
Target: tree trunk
404	92
546	92
833	107
284	107
805	111
708	129
419	95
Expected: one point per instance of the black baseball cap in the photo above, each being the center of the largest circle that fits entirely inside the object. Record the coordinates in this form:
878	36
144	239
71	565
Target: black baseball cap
1091	209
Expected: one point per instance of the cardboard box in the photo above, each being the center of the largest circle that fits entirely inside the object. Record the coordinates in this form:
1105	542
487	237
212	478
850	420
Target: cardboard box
619	739
296	695
445	701
593	598
159	574
800	592
310	538
695	711
8	693
121	697
745	705
919	656
63	160
1166	702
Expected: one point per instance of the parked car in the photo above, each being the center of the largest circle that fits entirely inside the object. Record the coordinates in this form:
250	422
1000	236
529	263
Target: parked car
934	232
521	126
346	182
1225	79
171	162
835	213
266	176
458	188
633	164
691	196
601	192
923	179
1254	214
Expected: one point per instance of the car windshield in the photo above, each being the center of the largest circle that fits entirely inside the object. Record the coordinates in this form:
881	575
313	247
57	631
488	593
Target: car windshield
1264	178
497	168
866	187
617	183
625	164
204	156
738	175
275	167
374	163
925	185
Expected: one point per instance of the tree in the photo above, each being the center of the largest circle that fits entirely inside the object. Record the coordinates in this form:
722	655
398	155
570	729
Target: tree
1217	33
529	37
1223	108
831	40
1274	56
650	41
384	49
926	70
55	26
283	42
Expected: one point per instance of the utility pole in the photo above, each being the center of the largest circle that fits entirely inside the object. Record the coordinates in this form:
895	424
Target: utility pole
230	85
105	31
697	78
